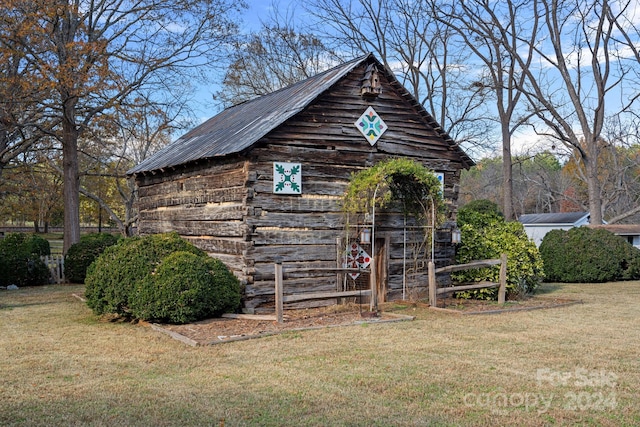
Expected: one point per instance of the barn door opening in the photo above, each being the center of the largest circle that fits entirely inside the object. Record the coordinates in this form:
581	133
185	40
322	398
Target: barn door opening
381	264
361	254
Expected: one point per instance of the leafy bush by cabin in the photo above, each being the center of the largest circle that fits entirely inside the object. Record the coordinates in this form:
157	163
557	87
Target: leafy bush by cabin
20	262
583	254
486	235
186	287
482	206
80	255
122	280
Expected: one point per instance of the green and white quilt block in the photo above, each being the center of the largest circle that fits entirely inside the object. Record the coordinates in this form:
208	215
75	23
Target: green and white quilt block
287	178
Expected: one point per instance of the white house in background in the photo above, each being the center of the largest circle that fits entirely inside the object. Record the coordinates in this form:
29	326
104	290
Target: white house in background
629	232
538	225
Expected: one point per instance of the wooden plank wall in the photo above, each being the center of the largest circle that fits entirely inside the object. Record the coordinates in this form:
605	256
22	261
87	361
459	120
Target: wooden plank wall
205	203
302	230
227	207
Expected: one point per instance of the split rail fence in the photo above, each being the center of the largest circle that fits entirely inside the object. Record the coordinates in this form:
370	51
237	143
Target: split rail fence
281	298
434	291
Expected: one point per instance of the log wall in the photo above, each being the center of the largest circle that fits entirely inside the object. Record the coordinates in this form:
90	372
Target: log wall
301	230
205	203
227	206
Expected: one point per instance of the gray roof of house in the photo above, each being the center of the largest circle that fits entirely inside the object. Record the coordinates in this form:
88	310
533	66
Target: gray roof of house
620	229
239	127
569	218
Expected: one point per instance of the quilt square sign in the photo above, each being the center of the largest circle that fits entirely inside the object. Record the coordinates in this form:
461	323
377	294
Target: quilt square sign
371	126
287	178
356	257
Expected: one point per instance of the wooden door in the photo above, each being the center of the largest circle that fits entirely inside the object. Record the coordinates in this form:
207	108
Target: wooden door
381	263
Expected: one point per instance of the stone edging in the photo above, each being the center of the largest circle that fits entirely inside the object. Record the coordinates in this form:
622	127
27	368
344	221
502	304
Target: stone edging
233	338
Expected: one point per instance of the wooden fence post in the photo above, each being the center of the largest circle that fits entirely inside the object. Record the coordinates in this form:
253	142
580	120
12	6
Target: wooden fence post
431	272
503	279
373	285
279	290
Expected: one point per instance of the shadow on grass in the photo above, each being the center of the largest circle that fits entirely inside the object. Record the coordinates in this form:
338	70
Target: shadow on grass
547	288
26	304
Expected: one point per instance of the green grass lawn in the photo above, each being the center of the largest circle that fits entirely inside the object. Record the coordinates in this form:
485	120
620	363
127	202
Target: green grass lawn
576	365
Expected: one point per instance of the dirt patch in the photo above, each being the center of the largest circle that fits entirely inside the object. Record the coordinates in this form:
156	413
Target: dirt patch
215	331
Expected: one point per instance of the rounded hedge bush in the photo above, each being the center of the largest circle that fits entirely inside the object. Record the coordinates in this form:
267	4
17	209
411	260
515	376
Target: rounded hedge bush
80	255
20	262
186	287
113	276
486	235
583	254
162	278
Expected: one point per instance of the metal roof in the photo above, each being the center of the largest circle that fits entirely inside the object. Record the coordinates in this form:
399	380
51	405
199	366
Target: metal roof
239	127
568	218
620	229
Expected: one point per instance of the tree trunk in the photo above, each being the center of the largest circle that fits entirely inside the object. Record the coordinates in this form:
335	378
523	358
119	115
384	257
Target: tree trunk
507	173
71	191
593	185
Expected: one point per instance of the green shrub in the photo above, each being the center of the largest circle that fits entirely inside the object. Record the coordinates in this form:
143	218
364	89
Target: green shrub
184	288
552	250
482	206
20	262
488	236
82	254
113	276
584	254
37	245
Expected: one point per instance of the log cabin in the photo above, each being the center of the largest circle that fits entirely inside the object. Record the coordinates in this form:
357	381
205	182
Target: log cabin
261	182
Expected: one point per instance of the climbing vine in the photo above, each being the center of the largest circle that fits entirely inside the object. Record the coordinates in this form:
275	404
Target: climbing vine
405	184
399	182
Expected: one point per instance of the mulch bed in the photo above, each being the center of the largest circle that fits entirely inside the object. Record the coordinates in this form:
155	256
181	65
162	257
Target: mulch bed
222	330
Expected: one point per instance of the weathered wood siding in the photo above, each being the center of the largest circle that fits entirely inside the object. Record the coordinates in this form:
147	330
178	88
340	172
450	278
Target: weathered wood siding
227	207
301	230
204	203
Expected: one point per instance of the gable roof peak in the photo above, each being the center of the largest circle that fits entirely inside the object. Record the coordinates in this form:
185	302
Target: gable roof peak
239	127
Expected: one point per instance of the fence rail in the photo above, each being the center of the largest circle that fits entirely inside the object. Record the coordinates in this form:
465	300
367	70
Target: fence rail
55	264
282	298
434	291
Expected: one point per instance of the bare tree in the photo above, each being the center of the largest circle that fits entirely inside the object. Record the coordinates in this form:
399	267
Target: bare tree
493	32
419	50
94	54
278	55
583	75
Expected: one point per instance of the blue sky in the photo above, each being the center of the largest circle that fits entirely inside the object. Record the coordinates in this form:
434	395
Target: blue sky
261	9
258	10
